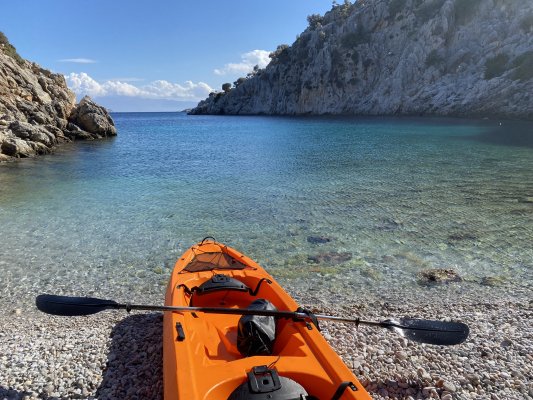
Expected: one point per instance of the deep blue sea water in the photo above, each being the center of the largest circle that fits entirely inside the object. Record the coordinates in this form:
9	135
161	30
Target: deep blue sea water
392	196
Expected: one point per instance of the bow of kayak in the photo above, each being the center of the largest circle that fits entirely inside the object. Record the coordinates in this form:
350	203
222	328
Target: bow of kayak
201	359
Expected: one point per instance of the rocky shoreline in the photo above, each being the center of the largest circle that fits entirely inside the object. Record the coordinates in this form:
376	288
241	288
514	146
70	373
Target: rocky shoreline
38	112
114	355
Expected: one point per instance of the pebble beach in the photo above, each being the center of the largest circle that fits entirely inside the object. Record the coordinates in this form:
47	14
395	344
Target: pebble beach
346	214
115	355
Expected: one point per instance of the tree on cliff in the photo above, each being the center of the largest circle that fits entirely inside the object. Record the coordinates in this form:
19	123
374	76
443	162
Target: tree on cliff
315	21
226	87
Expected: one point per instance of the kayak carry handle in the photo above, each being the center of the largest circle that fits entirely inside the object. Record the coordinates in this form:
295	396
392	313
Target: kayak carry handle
207	237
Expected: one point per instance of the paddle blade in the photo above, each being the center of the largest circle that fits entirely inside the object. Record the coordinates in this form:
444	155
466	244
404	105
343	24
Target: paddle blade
430	332
71	306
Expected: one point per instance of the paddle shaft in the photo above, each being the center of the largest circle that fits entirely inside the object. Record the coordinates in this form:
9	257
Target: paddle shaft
234	311
264	313
418	330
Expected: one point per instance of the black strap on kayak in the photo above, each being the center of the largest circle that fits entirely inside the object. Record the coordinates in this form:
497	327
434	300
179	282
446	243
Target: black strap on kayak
180	332
188	291
254	292
311	316
342	387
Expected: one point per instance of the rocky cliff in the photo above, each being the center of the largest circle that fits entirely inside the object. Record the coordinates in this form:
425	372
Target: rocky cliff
397	57
38	111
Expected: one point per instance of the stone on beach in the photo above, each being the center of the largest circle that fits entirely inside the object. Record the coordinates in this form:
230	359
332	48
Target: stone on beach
438	275
116	356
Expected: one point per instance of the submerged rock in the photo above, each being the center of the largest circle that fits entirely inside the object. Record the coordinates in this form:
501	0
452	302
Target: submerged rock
492	281
318	239
461	236
388	224
438	276
331	257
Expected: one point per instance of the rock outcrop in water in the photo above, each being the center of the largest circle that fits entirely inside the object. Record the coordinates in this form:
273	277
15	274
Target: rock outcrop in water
38	111
397	57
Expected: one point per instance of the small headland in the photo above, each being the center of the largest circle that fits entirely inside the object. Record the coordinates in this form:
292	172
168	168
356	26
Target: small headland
38	111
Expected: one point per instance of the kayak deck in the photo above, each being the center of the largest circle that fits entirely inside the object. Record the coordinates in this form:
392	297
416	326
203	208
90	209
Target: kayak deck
201	359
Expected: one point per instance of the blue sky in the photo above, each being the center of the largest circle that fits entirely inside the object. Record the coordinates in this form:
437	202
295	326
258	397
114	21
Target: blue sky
152	55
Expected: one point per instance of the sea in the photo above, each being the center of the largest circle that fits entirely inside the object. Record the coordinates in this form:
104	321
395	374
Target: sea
335	208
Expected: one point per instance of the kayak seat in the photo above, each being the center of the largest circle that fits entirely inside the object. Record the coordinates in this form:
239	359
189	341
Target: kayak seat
221	282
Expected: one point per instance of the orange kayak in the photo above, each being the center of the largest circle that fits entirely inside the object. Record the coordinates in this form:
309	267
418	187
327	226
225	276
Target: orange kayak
203	357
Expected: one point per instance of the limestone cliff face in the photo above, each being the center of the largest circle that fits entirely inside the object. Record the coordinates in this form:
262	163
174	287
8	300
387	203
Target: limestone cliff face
38	111
411	57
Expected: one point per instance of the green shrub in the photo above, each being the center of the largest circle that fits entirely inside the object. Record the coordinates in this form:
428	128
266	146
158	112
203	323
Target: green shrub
355	57
465	9
3	38
496	66
428	9
354	39
345	8
341	11
526	23
336	57
395	7
226	87
281	54
304	39
523	65
239	81
301	54
9	49
315	21
434	59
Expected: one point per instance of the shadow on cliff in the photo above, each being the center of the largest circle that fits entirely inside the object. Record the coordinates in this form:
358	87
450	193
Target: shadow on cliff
135	361
509	133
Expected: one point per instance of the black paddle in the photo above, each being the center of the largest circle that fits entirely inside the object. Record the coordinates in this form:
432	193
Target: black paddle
418	330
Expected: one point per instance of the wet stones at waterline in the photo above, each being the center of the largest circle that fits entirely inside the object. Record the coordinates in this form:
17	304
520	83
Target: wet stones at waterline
438	276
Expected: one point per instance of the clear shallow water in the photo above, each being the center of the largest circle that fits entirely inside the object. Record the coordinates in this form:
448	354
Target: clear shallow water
395	195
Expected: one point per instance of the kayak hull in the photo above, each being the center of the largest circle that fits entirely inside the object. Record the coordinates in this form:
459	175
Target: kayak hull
200	356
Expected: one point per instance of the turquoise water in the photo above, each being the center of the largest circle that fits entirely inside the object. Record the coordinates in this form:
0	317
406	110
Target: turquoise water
392	196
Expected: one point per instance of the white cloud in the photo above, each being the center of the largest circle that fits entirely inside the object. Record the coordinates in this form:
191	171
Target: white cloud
83	84
167	90
248	61
78	60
